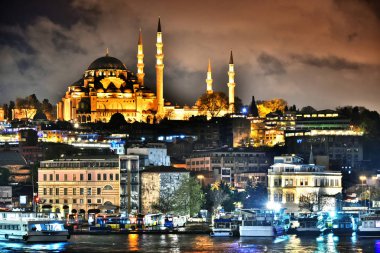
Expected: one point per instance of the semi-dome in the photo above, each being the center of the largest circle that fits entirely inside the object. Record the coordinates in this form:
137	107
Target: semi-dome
107	62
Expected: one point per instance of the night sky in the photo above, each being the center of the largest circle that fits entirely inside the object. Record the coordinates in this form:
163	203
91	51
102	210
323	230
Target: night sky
320	53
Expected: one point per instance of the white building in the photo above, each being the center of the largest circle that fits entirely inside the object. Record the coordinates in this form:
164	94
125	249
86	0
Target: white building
155	154
300	186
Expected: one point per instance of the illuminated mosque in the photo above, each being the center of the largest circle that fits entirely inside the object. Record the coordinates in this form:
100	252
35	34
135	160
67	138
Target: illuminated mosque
108	87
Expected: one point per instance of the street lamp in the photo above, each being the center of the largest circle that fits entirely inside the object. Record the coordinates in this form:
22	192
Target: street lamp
362	178
201	177
374	178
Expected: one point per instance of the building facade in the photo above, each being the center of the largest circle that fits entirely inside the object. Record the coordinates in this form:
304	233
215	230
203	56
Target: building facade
224	164
80	184
296	185
159	182
153	154
129	183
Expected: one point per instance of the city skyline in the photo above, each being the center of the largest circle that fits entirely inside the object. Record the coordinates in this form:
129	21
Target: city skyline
324	55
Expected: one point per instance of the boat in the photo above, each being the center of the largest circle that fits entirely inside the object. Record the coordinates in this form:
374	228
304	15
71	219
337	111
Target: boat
263	222
32	227
310	225
225	227
370	224
343	224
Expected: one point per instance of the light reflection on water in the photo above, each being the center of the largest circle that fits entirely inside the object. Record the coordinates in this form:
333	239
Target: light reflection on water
198	243
35	247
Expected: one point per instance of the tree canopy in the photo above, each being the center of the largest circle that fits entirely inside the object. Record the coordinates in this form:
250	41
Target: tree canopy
256	195
186	200
268	106
212	104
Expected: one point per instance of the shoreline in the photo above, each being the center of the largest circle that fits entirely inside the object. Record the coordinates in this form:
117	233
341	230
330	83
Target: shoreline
201	232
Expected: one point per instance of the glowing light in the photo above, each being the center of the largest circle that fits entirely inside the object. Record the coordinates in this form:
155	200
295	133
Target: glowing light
274	206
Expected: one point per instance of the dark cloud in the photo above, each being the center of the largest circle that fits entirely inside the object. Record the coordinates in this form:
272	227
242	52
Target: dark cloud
331	62
270	64
352	36
330	49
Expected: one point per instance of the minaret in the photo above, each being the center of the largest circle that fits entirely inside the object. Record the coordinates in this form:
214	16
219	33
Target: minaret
209	78
140	61
159	71
231	85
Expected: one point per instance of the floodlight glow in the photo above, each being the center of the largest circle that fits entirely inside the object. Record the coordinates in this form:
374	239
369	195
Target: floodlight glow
274	206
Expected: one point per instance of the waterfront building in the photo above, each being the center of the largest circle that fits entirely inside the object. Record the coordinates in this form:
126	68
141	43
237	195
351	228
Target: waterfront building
153	154
330	135
225	163
159	182
80	184
29	147
269	131
129	183
6	197
15	163
109	87
296	185
242	178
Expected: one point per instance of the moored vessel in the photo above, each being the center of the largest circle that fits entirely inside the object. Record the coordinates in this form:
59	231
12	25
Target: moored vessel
225	227
343	224
263	222
310	225
32	227
369	224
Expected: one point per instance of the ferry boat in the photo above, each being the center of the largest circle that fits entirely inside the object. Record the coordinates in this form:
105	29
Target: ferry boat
310	225
370	225
263	222
225	227
343	224
32	227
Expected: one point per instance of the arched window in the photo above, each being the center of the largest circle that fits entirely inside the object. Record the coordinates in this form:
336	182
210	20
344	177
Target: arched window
108	187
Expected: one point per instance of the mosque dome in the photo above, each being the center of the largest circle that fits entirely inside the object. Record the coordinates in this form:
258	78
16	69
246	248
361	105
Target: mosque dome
107	62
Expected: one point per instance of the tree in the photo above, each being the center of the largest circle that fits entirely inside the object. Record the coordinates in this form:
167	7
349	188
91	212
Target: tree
238	105
11	106
27	103
308	109
212	104
218	197
117	121
221	196
188	198
5	108
165	202
47	108
256	195
4	176
269	106
314	200
308	201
